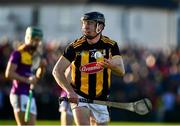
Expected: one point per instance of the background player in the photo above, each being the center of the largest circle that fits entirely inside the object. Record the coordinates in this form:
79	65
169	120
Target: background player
19	70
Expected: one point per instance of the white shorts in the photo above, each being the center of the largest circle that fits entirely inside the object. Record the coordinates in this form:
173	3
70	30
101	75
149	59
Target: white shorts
19	103
99	112
65	106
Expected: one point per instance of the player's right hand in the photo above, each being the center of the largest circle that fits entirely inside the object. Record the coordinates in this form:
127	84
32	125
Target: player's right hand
73	97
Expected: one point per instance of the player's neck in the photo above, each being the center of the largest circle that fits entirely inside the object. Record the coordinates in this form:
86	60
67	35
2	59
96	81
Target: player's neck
94	40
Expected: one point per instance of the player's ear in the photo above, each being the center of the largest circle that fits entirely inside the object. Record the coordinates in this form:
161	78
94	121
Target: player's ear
100	27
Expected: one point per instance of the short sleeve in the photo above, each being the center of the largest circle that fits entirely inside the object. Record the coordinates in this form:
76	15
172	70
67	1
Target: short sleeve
115	50
15	57
69	53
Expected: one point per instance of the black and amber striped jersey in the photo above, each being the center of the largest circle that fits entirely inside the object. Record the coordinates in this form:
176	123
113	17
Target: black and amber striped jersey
89	79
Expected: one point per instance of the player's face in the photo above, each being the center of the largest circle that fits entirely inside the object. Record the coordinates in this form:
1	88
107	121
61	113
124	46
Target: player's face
89	28
34	43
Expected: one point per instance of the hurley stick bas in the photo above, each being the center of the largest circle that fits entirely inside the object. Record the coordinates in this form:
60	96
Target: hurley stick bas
140	107
28	106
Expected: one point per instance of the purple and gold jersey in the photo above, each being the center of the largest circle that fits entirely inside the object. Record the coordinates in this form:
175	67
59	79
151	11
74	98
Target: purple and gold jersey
23	60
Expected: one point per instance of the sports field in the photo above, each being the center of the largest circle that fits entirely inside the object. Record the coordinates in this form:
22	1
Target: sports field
56	122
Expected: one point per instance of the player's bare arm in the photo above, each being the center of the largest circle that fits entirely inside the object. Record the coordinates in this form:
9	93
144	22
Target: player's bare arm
115	64
59	75
13	75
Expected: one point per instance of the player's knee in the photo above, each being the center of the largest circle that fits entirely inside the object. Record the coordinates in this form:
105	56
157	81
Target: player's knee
82	116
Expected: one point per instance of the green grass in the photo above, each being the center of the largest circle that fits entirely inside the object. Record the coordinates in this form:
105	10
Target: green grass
39	122
57	122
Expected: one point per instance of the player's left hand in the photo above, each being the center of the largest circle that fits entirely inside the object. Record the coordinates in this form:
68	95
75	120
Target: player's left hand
107	63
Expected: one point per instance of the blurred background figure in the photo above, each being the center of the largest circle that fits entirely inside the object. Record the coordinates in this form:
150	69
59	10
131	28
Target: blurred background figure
19	70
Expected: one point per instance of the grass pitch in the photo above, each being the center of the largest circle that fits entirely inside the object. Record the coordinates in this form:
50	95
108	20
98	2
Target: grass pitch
57	123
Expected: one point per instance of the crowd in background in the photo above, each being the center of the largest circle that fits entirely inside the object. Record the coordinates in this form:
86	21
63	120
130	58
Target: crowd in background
154	74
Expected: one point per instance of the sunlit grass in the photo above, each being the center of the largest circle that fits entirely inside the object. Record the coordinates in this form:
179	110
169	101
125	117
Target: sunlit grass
57	122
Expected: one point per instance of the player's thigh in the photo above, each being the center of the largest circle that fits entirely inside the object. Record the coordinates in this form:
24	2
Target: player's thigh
81	115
